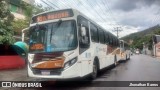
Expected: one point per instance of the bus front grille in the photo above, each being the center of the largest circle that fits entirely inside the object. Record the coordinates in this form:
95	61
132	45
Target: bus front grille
51	72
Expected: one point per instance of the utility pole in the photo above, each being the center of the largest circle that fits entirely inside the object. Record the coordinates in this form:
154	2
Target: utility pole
117	30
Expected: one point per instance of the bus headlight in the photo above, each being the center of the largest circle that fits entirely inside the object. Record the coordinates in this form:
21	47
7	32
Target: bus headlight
30	57
70	63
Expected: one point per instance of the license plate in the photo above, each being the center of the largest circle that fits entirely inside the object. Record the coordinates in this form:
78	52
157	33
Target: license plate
45	72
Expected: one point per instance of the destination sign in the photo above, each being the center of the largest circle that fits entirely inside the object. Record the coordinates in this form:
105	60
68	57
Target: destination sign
37	46
52	15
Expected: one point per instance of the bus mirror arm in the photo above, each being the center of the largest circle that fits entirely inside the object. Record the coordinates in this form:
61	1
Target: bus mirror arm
23	34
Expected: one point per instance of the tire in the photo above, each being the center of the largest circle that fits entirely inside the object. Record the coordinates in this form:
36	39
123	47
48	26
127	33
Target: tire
115	60
95	71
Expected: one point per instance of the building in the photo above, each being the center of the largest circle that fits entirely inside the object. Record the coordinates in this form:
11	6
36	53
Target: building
17	9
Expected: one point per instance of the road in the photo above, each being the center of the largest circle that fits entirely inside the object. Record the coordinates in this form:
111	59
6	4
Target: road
138	68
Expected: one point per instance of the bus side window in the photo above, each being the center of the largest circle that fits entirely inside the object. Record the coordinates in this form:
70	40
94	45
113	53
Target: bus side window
83	23
118	44
113	43
101	36
94	33
106	38
110	39
84	41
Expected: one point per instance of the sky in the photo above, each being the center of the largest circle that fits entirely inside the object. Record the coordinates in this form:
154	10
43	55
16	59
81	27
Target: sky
128	15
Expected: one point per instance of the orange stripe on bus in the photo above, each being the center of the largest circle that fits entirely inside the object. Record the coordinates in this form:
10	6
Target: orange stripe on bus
50	64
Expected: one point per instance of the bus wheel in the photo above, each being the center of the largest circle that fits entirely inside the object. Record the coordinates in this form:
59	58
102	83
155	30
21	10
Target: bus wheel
95	70
115	60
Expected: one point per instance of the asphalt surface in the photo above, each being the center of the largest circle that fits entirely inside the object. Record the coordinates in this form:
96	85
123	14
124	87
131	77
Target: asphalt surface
138	68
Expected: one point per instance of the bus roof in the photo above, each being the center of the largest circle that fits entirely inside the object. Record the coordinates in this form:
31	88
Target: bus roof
79	13
156	35
51	11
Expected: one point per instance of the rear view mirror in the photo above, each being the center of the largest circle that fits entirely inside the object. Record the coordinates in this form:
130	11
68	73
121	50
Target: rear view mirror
83	31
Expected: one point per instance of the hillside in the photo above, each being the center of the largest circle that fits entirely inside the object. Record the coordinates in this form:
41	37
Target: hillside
141	37
142	33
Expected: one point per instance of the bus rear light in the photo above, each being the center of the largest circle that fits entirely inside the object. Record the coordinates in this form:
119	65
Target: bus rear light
70	63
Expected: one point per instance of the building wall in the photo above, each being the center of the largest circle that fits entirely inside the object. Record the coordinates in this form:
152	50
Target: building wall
29	1
16	8
17	11
18	16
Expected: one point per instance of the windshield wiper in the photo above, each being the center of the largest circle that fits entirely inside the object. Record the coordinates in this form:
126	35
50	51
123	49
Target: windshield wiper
57	25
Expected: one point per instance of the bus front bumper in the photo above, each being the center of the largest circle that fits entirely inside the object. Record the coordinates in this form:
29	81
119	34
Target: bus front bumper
72	72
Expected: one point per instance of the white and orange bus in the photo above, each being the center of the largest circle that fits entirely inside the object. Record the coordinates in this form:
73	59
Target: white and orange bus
66	44
125	51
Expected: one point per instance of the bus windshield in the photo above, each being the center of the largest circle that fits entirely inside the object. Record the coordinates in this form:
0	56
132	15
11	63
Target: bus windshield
53	37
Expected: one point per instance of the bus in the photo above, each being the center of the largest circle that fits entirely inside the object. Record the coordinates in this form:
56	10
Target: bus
124	50
156	45
66	44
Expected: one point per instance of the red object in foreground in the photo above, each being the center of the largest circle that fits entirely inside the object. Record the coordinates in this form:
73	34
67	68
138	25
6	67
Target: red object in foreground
11	57
12	61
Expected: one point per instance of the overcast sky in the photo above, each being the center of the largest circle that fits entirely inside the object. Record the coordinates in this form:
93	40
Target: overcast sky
131	15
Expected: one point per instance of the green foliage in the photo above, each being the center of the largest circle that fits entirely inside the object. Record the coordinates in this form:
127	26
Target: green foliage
33	9
6	29
19	24
29	10
8	26
38	8
138	42
143	37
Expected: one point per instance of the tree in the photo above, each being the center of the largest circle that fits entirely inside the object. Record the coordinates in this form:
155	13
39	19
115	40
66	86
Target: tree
34	9
18	25
144	37
6	29
29	11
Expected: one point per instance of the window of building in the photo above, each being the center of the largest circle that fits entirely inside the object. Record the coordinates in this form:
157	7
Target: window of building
15	9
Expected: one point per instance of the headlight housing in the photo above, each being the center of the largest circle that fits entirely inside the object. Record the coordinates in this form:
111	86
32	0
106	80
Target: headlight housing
30	57
70	63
